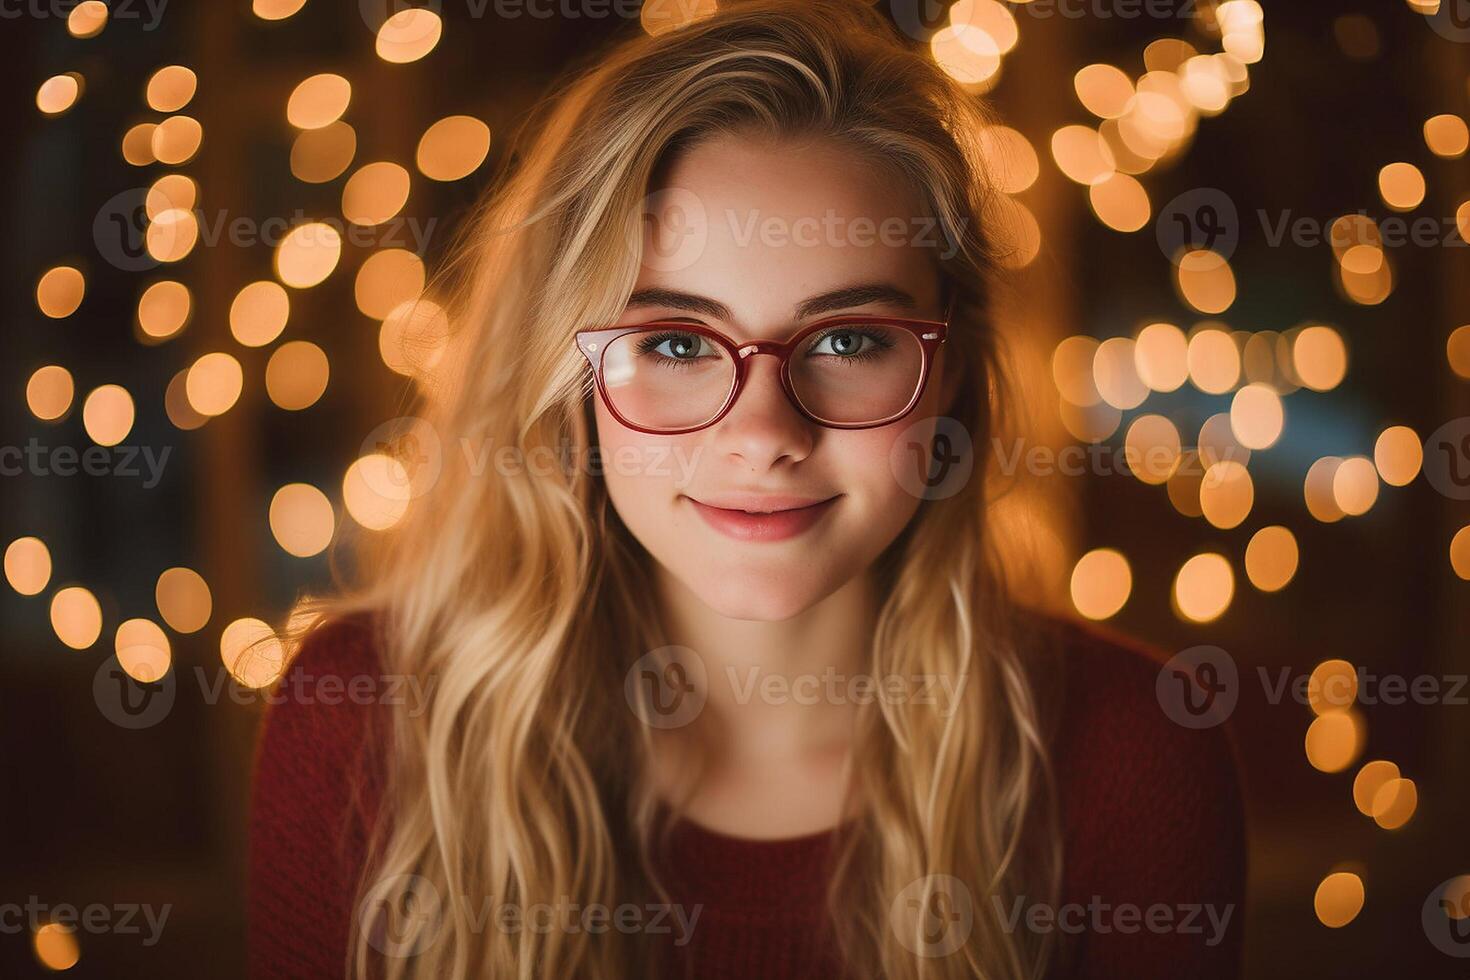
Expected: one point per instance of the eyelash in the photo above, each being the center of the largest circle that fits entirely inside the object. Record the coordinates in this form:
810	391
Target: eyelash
880	341
648	345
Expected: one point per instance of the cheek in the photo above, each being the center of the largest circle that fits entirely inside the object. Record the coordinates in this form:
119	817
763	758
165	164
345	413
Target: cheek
870	462
643	472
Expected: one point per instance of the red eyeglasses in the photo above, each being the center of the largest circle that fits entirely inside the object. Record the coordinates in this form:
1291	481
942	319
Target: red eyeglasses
669	377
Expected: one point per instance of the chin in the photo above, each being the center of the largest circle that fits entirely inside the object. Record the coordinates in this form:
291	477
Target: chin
751	594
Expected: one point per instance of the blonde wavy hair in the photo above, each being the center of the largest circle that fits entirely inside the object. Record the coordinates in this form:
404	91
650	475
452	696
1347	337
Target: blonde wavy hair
527	600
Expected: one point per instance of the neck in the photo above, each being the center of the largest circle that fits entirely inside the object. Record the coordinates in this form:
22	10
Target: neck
776	688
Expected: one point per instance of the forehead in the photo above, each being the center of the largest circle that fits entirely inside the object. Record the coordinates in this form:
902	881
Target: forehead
760	225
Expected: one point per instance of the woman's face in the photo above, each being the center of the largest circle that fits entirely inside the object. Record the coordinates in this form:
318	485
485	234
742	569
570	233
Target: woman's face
760	240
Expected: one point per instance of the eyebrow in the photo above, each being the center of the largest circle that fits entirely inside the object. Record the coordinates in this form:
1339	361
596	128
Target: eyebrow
837	299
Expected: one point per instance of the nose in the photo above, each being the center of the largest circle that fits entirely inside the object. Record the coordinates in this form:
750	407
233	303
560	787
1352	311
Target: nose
763	428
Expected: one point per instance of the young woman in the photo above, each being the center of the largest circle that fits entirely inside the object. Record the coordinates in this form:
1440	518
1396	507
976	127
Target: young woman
699	676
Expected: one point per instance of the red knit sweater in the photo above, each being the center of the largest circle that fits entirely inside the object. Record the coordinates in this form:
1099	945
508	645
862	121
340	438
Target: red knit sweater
1151	815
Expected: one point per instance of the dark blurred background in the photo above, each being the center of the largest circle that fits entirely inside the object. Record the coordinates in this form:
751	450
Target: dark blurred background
1219	122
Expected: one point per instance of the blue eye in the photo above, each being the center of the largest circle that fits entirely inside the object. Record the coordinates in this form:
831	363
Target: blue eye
847	343
676	346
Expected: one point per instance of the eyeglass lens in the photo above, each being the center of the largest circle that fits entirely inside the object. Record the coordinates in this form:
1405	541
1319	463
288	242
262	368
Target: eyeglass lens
665	378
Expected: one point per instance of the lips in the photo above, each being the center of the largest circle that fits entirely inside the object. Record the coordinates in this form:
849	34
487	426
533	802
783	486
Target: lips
751	517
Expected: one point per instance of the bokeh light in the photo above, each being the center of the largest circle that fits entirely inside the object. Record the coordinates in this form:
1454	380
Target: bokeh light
27	565
1153	448
375	193
76	616
1394	803
1204	587
1319	358
296	375
1226	494
1369	780
252	652
1161	354
214	383
321	155
177	139
142	650
453	148
1271	558
318	101
59	93
413	337
184	600
1398	454
301	519
1081	154
1101	583
1204	281
164	309
49	392
259	313
660	18
1257	416
1460	552
56	946
1010	158
1446	136
376	491
1339	899
1401	185
408	35
171	88
107	414
308	255
60	290
1334	739
87	19
387	279
172	235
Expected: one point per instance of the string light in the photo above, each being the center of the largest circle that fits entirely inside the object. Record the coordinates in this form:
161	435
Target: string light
1141	123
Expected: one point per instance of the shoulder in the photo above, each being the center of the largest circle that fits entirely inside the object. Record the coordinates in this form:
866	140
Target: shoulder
1151	811
314	800
319	753
1151	805
1117	714
328	703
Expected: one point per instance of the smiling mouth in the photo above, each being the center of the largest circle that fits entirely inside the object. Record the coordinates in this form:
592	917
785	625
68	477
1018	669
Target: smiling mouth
768	519
762	504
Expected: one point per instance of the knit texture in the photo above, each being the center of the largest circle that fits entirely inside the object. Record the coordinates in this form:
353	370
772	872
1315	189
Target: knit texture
1151	815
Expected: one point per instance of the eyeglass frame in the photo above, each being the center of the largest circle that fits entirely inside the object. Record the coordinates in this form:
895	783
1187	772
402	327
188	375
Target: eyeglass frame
931	335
